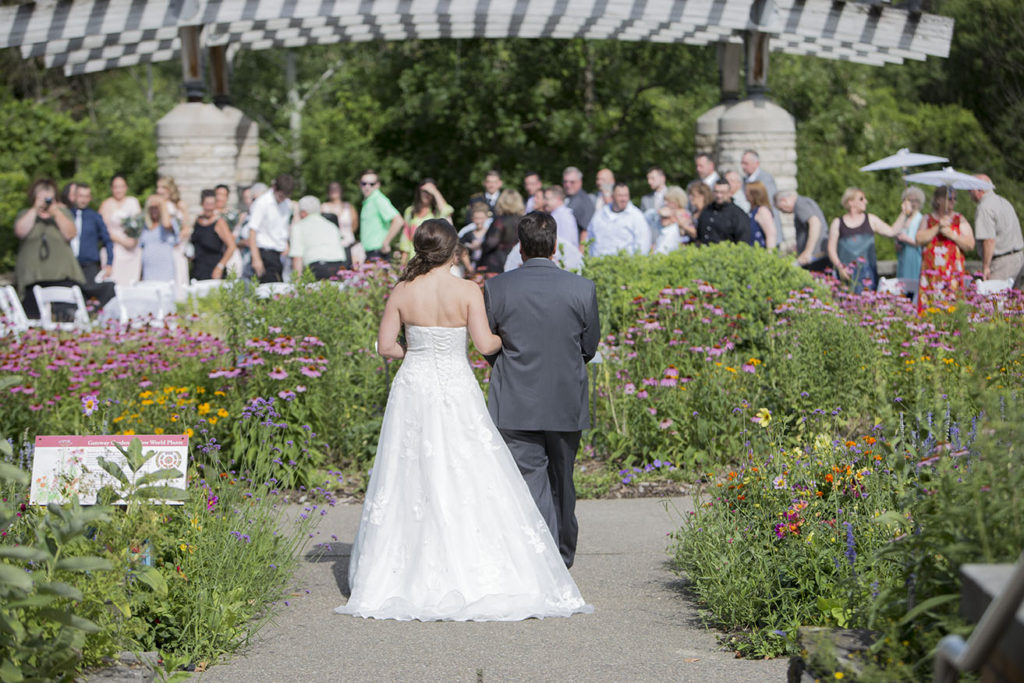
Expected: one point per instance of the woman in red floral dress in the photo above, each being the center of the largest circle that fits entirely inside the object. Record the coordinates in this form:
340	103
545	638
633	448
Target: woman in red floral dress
945	237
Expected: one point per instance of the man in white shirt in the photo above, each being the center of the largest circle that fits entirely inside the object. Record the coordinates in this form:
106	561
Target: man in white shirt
619	226
316	242
554	203
739	195
706	170
269	228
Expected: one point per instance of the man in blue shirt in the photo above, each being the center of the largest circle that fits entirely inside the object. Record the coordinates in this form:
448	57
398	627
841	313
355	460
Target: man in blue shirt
91	235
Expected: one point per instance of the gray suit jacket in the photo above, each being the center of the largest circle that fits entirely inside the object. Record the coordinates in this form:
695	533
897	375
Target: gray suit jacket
548	323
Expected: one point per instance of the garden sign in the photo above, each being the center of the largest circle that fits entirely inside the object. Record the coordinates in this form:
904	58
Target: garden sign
67	465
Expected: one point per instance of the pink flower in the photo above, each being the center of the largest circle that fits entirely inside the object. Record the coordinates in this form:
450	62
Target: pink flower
642	393
300	388
278	373
310	371
665	424
747	367
652	411
629	389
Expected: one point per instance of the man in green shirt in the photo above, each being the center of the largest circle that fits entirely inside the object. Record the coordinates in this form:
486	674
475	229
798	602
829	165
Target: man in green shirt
379	220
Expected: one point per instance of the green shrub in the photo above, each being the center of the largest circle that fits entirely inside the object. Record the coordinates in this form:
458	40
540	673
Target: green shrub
751	280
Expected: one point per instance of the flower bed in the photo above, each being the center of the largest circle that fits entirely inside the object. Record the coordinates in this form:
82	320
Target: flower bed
833	438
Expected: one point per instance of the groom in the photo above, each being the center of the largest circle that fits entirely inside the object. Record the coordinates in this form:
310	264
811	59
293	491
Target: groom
547	320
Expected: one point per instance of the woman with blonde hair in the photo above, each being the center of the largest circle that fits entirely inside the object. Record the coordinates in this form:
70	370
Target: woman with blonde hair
178	210
851	241
157	241
762	223
502	236
700	196
946	236
908	253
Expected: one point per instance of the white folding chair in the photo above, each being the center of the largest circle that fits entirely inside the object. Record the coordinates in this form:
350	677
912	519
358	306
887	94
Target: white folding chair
989	287
890	286
69	296
15	321
269	289
200	288
137	303
168	291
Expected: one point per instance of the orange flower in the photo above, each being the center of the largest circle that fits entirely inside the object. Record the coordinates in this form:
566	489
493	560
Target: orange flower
828	478
869	440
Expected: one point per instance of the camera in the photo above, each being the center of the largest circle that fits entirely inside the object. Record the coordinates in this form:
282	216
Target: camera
47	201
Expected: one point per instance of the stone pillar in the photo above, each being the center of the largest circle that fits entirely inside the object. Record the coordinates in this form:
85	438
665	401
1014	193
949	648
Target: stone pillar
765	127
201	145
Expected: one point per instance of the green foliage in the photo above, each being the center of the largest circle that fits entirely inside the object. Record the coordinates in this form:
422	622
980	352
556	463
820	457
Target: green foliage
42	577
750	280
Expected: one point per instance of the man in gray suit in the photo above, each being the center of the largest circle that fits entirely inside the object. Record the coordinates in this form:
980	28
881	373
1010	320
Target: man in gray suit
549	328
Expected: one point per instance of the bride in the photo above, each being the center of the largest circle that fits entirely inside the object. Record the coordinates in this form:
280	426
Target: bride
449	530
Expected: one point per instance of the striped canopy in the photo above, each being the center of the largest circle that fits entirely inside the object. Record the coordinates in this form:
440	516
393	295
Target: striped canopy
83	36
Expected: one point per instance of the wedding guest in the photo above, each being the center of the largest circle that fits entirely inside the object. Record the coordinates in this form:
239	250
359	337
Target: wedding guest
699	196
619	227
762	224
810	227
908	252
379	220
212	241
428	203
1002	244
270	219
851	241
91	236
340	212
946	236
68	194
492	190
721	220
472	236
316	242
669	236
533	185
44	255
676	200
118	210
502	235
178	211
157	241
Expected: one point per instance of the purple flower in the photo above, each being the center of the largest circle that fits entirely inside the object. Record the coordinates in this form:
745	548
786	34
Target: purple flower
310	371
89	404
278	373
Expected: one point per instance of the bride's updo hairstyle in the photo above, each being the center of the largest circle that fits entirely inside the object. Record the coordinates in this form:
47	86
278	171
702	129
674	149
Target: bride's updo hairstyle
434	241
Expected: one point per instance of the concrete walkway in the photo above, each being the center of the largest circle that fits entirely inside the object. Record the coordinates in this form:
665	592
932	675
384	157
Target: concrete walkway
644	628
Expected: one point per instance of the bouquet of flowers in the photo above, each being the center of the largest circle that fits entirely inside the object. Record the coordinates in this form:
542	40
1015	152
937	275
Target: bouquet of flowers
134	225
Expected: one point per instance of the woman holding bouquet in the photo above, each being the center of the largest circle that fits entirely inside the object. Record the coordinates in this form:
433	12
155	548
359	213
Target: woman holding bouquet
122	215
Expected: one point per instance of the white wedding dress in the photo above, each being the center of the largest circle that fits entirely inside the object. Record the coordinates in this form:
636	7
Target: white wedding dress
449	530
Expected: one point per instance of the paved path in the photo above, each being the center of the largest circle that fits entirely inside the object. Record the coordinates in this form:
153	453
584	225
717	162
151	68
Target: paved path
643	627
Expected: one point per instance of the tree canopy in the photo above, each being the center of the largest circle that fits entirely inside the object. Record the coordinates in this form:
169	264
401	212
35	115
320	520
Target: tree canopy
451	110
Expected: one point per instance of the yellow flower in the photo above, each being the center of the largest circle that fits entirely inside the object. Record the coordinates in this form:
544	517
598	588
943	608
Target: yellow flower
174	418
212	420
733	370
195	523
147	402
128	432
840	675
204	408
168	390
146	394
200	390
763	417
118	418
189	433
221	412
219	393
183	547
158	430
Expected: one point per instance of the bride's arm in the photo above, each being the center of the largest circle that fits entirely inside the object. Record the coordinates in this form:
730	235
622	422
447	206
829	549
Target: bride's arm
484	340
390	326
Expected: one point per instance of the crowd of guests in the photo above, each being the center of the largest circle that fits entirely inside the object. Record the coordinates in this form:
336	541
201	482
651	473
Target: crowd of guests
270	236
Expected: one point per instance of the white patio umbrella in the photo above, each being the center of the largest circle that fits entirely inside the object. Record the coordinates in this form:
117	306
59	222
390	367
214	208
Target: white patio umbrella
950	178
903	159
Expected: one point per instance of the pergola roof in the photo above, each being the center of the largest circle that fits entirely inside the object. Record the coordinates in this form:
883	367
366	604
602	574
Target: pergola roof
83	36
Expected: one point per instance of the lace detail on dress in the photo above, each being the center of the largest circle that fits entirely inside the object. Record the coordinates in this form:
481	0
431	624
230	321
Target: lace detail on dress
449	529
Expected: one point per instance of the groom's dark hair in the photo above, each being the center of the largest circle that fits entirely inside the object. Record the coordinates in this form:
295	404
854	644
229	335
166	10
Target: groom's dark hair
538	235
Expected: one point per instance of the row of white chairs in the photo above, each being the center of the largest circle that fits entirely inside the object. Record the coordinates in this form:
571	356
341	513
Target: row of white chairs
141	302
